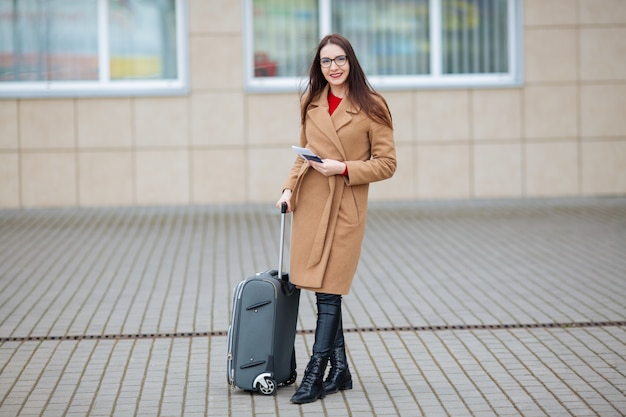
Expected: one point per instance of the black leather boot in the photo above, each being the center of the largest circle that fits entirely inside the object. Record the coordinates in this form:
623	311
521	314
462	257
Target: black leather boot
328	317
312	385
339	377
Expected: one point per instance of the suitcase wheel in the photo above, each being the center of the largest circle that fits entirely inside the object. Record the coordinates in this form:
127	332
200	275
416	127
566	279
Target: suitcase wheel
265	384
292	379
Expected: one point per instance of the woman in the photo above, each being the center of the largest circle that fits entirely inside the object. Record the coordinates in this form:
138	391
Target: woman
348	125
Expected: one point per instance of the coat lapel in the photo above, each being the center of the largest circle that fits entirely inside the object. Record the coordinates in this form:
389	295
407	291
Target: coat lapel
330	125
321	119
343	114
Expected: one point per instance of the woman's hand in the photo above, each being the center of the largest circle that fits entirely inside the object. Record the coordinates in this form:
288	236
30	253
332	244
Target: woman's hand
329	167
285	198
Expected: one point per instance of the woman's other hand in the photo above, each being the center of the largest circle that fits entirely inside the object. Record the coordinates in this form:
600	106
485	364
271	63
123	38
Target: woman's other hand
285	198
329	167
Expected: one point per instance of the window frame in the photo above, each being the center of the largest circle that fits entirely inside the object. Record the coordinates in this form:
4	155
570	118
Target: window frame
104	86
435	80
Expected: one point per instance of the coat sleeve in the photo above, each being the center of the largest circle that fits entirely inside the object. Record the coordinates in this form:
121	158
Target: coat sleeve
297	165
382	163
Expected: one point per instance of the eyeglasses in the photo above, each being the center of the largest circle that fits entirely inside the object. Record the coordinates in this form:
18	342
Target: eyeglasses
339	60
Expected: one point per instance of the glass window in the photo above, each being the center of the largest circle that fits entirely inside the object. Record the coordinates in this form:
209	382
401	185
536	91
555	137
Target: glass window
391	38
475	37
400	43
38	40
142	39
278	55
92	48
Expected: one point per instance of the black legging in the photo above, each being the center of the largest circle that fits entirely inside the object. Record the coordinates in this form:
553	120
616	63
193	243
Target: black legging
328	323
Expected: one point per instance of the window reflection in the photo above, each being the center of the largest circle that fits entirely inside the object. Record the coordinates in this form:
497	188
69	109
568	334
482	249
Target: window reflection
48	41
390	37
475	36
43	40
142	38
285	37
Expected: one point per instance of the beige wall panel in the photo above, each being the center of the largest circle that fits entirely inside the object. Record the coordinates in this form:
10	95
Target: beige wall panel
104	123
162	177
551	55
497	114
451	143
602	53
199	12
217	119
8	125
47	124
402	185
219	176
497	170
551	112
216	62
604	167
214	16
273	119
48	179
9	180
550	12
403	115
551	169
267	172
603	110
602	11
442	115
443	171
105	178
162	121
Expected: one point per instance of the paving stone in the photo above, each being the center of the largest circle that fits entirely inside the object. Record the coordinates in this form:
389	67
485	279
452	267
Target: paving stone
478	308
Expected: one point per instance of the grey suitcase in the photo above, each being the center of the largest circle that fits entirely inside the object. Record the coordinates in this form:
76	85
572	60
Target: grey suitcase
262	332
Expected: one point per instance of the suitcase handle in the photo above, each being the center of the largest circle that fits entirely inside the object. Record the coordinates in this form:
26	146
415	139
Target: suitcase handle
283	214
287	287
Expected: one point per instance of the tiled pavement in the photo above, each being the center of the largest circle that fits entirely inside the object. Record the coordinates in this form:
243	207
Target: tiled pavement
484	308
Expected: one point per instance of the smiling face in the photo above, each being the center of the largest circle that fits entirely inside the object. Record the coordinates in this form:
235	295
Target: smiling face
336	75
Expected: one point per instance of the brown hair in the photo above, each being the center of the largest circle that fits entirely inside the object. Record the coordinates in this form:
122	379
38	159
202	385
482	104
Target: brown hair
359	89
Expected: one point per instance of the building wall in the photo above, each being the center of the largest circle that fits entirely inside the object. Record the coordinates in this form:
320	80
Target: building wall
562	134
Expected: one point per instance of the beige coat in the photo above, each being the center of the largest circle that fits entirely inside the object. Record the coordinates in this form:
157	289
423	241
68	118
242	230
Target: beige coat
330	212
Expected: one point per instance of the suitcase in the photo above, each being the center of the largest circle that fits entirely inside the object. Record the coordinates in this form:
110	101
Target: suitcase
262	332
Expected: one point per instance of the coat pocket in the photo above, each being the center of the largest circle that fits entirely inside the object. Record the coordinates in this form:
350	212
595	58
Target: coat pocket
349	210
